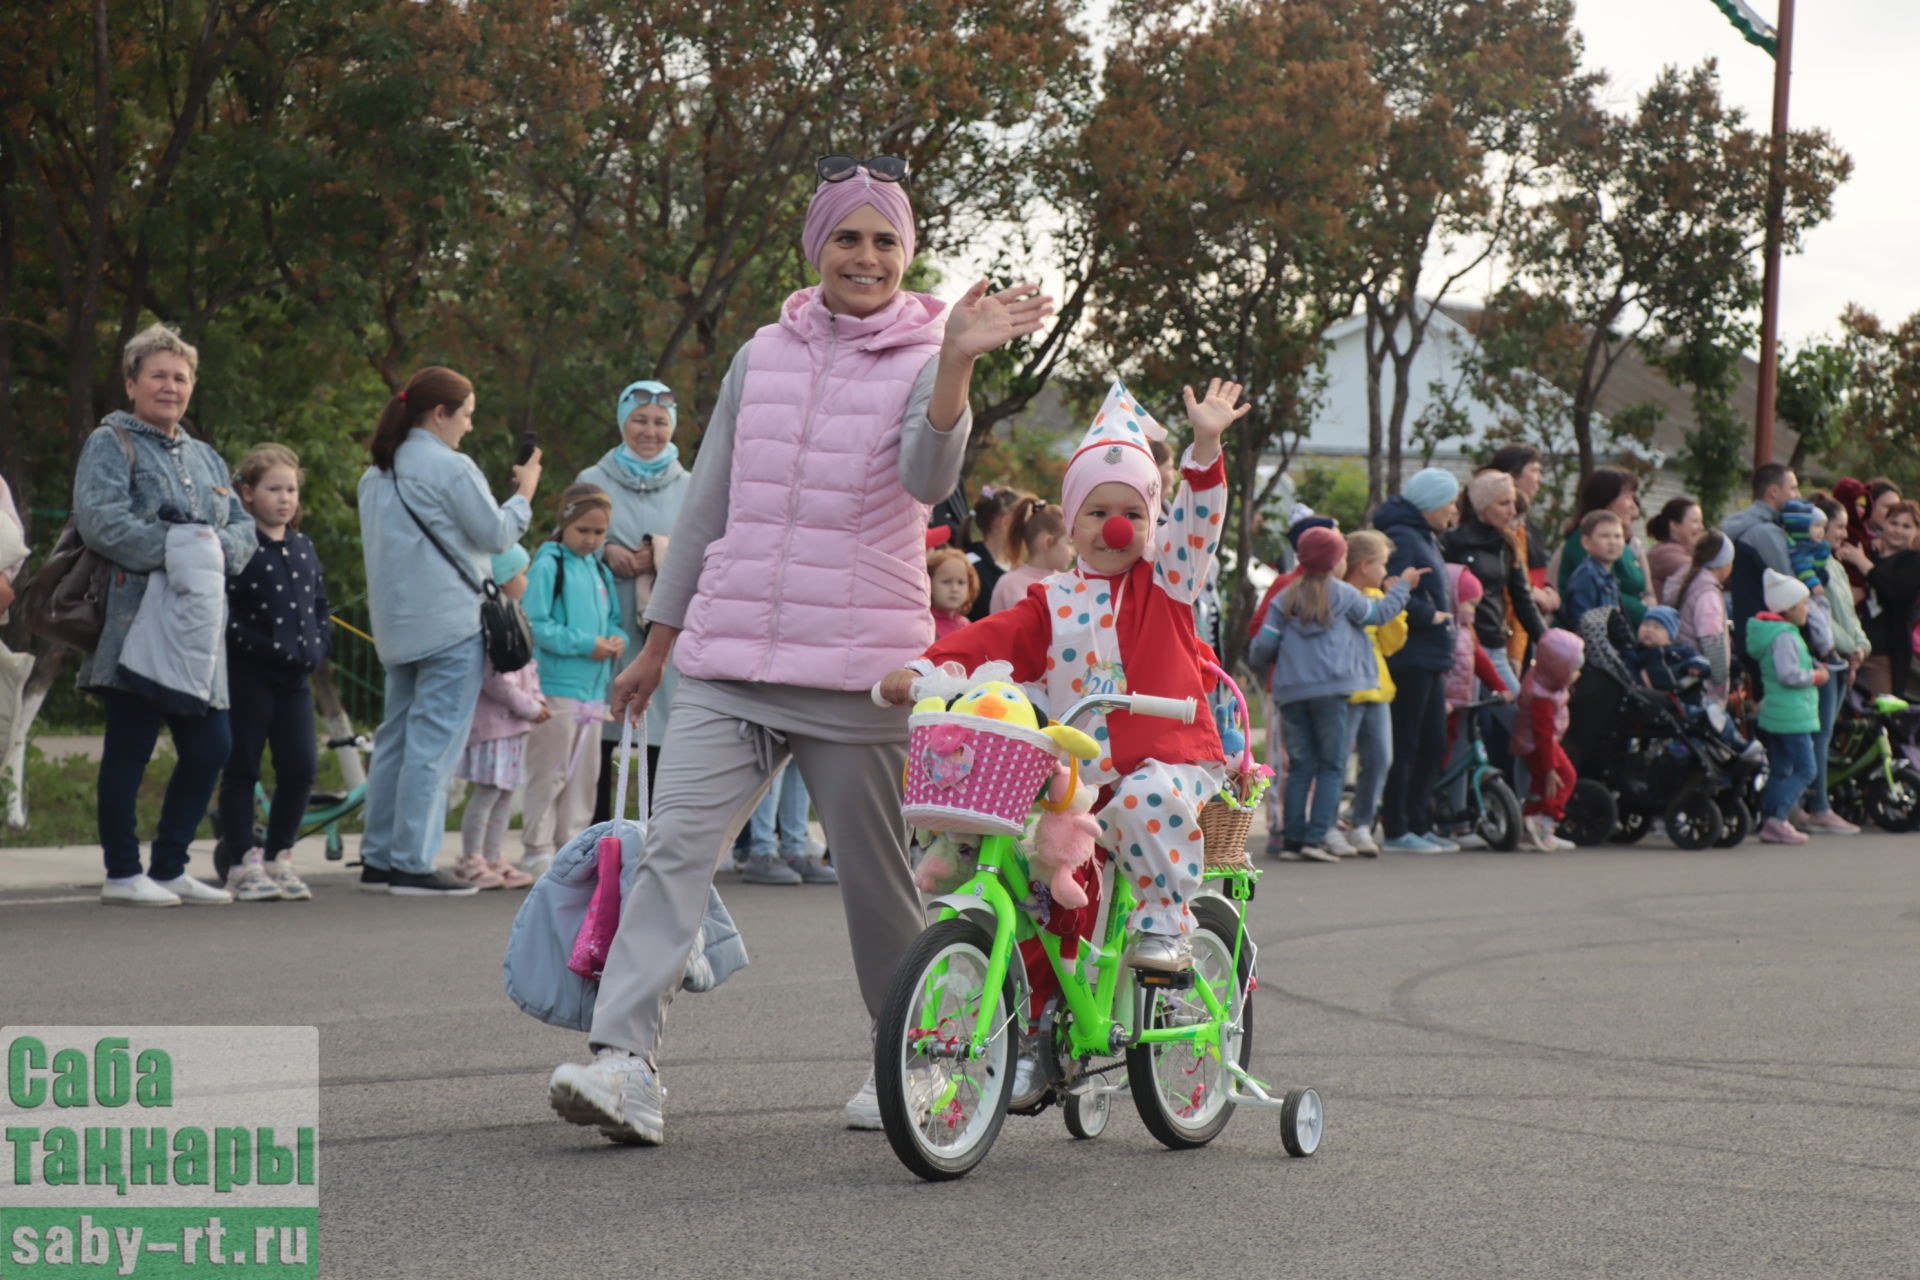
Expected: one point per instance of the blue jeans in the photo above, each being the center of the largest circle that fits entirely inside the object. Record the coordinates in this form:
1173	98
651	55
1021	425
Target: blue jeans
1316	730
1832	693
429	710
779	823
1370	736
201	745
1790	765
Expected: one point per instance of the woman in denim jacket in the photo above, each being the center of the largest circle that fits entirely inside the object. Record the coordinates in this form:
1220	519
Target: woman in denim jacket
421	493
123	507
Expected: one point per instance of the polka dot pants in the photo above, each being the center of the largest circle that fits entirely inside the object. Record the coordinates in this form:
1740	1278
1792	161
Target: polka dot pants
1153	826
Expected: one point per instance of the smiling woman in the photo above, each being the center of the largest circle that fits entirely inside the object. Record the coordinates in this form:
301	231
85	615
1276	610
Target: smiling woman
797	578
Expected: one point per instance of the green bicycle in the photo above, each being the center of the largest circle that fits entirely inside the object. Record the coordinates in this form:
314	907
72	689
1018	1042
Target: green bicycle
946	1047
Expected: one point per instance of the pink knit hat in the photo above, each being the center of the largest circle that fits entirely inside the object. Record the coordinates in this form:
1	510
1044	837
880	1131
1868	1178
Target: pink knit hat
1558	656
1115	449
835	200
1466	587
1321	550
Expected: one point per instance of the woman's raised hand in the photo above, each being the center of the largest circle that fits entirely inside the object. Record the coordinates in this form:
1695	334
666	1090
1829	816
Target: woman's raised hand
1211	415
981	322
526	476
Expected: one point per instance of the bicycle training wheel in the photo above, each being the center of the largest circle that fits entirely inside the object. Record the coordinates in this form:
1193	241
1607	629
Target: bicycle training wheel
941	1108
1182	1090
1087	1113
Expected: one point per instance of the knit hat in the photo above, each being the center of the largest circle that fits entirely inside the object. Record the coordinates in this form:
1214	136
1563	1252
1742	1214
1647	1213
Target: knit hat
1115	449
1724	556
1667	617
1321	550
629	401
1558	656
1299	527
1431	489
1485	489
1781	591
509	563
1798	517
833	201
1466	586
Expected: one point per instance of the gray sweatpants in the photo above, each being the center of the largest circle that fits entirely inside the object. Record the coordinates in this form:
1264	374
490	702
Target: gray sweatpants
713	772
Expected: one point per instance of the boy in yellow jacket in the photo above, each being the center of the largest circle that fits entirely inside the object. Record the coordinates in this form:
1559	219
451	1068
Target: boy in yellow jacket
1370	727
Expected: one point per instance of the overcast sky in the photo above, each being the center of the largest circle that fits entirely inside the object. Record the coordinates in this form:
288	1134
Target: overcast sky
1850	61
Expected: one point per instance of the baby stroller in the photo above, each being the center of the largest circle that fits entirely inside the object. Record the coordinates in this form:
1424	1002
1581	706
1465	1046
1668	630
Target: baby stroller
1652	759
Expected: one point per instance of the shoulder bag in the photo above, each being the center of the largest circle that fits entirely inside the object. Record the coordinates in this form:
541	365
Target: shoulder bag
65	601
503	624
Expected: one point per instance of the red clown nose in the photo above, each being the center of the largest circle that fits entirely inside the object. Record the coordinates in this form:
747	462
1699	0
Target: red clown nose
1117	533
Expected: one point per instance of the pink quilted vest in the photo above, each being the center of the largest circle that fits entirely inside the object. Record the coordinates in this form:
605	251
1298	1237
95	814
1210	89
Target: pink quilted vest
820	578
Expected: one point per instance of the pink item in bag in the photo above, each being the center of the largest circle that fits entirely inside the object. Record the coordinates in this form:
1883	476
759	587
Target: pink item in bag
603	915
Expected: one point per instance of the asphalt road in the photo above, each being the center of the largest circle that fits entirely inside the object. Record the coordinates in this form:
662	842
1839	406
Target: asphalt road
1626	1062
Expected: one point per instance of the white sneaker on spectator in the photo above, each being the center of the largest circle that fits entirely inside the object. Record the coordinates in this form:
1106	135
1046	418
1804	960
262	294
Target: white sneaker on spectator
616	1092
1828	823
1338	844
1362	842
292	887
195	893
536	864
137	891
1316	853
248	880
1470	840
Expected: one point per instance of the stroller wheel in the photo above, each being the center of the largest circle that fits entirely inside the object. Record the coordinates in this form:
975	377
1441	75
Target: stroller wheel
1736	820
1590	813
1631	828
1693	819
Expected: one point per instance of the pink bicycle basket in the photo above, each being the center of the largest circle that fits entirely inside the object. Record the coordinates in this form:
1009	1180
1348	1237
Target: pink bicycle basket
972	774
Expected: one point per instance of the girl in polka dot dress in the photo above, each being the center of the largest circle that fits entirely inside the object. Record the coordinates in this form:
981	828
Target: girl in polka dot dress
1121	621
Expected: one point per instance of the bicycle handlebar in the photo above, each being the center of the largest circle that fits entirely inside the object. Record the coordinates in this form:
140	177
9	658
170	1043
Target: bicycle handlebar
1145	704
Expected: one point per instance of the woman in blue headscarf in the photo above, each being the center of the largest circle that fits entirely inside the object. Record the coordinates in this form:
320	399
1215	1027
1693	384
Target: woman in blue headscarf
643	476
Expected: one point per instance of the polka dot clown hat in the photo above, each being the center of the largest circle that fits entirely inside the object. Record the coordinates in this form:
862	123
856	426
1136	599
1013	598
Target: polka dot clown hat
1115	449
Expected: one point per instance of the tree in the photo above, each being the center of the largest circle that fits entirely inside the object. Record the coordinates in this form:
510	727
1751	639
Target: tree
1882	411
1654	221
1224	164
1470	87
1812	399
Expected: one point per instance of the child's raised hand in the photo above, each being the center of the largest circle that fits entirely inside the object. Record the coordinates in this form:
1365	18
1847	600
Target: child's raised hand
1212	415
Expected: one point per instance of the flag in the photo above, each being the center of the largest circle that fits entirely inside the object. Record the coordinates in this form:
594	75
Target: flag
1755	28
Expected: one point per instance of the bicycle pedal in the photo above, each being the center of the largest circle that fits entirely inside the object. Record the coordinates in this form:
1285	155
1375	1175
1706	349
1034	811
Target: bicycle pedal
1161	980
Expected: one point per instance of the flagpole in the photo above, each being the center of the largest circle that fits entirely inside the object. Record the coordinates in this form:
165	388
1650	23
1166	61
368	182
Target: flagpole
1776	212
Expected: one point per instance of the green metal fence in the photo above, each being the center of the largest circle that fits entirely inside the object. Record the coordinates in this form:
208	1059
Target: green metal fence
357	673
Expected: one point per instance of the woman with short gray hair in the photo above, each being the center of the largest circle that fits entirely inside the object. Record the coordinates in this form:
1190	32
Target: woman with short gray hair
141	475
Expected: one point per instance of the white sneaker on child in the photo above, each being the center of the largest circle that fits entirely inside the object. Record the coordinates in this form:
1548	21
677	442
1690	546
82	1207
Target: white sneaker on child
248	880
1161	952
292	887
863	1108
1361	840
616	1092
1338	844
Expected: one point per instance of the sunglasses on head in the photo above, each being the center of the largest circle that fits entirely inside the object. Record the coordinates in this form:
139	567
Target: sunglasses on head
662	398
881	168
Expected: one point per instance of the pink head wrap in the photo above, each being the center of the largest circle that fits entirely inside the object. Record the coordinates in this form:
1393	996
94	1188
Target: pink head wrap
1115	449
835	200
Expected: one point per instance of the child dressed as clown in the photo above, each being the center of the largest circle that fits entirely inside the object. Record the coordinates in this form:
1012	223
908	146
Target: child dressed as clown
1121	621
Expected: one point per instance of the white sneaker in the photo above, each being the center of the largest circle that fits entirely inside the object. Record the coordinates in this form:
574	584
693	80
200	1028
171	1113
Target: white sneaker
617	1092
863	1108
1471	840
1338	844
195	893
248	881
292	887
1540	837
1361	840
137	891
1317	853
536	864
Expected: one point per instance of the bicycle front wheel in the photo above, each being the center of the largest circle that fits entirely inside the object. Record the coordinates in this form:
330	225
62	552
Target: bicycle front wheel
1182	1088
941	1107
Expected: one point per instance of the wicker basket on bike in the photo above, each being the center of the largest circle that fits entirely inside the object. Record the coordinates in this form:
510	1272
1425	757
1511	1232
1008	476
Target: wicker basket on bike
1226	819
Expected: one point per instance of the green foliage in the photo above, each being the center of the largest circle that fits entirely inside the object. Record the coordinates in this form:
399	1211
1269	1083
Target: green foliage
1337	489
1812	397
1026	458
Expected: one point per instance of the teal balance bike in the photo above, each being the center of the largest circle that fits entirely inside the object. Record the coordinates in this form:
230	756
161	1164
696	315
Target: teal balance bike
1180	1044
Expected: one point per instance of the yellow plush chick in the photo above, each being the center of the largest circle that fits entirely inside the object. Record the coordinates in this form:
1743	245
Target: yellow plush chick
1072	741
929	704
998	700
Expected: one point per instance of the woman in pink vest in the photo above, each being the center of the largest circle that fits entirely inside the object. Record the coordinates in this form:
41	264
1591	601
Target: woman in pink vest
798	579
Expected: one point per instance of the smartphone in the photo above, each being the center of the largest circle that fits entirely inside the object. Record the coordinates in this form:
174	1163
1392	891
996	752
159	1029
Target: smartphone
529	441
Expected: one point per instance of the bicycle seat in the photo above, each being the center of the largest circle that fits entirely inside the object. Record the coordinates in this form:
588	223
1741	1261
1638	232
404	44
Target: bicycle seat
326	799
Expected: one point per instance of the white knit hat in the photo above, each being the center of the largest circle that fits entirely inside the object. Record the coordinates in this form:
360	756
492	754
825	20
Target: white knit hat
1782	592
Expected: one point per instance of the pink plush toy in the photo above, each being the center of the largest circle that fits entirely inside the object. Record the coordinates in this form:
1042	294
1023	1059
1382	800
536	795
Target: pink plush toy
1063	842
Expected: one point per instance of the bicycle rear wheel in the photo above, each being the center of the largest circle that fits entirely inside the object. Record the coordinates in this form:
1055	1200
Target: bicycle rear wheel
941	1108
1182	1089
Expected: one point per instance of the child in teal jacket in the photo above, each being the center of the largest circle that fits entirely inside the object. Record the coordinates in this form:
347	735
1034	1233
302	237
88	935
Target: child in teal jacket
1790	708
577	641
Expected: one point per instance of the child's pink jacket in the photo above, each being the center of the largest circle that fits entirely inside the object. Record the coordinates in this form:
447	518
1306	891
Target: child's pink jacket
508	704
